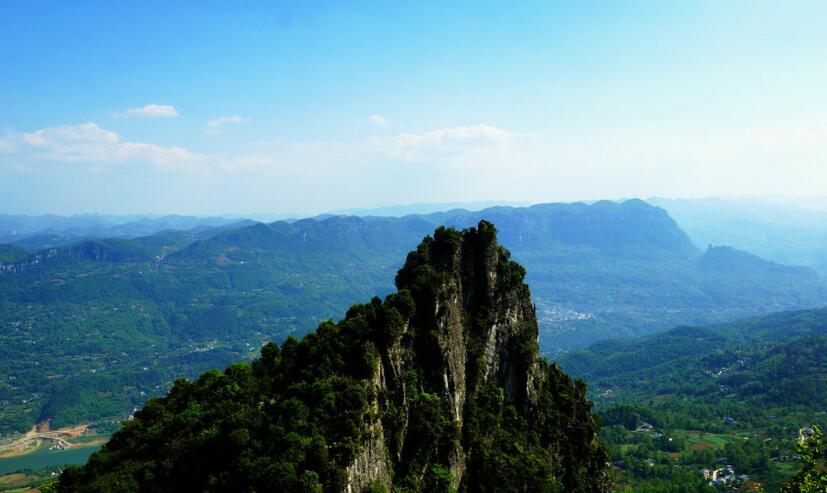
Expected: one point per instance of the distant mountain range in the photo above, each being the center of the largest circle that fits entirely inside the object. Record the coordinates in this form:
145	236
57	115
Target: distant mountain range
425	208
111	321
46	231
782	233
36	232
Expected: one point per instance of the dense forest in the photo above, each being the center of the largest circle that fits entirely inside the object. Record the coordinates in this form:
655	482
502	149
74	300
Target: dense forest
741	394
91	330
438	387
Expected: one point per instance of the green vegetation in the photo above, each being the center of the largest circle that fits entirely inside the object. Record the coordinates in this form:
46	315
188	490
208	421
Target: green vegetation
93	331
89	331
413	385
812	478
24	481
740	394
11	253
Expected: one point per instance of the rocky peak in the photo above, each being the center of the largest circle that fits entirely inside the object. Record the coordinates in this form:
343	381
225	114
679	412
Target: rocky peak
473	331
471	303
438	387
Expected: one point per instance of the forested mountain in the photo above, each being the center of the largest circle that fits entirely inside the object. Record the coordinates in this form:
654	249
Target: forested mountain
439	387
782	233
425	208
46	231
598	271
774	345
743	391
11	253
92	329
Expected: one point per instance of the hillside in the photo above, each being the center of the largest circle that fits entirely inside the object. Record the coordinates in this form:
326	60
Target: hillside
678	356
598	271
782	233
612	270
49	231
11	253
91	330
437	388
743	391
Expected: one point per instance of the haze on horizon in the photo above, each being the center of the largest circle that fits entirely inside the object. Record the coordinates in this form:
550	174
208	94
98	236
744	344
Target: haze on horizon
145	107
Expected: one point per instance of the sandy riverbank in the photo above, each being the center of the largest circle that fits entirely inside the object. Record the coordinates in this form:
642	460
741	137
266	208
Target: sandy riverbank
34	439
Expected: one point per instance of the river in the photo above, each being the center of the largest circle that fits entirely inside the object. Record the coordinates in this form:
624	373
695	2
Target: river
43	457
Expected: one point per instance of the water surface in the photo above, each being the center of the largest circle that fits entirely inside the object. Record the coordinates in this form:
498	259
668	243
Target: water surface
43	457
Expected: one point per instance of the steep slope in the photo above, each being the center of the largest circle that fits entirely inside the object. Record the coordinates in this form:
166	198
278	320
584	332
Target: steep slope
630	228
783	233
437	388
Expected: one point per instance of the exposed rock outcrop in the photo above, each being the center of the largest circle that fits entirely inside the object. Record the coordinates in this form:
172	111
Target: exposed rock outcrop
473	329
438	387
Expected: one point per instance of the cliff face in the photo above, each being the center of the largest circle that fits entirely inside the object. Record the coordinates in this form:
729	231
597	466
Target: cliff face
473	332
465	321
437	388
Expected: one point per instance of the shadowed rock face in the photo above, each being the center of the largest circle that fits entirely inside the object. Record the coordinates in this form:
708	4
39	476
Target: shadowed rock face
437	388
474	328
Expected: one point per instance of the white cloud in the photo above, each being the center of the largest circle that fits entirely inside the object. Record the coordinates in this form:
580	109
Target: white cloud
153	111
90	144
216	125
454	135
464	146
378	120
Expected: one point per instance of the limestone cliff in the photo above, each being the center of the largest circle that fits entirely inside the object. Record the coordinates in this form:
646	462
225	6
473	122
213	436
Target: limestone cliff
439	387
473	330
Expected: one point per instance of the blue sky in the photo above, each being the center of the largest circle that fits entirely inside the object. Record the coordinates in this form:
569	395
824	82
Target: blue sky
136	107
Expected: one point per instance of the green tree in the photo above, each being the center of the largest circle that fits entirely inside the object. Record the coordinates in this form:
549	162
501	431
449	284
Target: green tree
812	477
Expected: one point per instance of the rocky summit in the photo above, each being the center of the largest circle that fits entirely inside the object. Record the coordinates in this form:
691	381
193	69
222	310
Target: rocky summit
438	387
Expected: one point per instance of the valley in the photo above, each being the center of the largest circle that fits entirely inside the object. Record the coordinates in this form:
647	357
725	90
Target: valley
94	329
413	247
694	398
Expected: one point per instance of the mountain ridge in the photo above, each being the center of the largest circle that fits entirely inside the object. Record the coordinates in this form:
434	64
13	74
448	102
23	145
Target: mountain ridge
178	303
438	388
